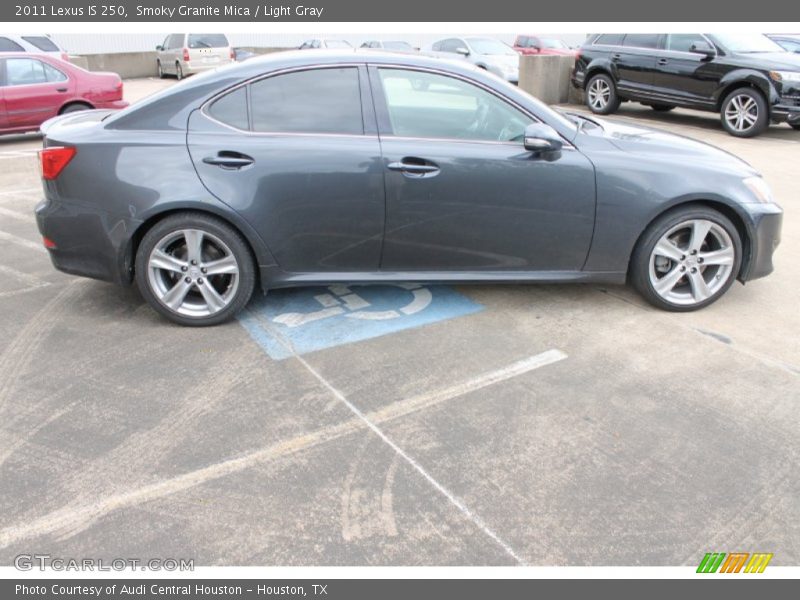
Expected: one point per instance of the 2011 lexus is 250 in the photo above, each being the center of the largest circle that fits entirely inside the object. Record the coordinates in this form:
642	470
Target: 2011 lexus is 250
304	168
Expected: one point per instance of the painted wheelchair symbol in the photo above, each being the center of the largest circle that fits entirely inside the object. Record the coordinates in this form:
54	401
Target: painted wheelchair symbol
343	301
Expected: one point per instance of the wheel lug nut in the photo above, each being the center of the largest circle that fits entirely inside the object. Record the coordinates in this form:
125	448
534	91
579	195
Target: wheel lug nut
694	269
200	280
683	257
203	269
683	269
188	280
194	262
184	268
694	252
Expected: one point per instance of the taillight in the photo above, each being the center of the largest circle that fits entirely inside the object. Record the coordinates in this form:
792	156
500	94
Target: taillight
65	57
53	160
48	243
233	54
185	55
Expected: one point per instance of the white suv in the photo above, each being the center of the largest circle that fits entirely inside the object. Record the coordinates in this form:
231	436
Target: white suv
38	44
182	54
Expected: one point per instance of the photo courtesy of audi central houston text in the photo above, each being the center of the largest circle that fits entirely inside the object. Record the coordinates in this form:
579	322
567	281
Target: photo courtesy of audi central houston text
384	300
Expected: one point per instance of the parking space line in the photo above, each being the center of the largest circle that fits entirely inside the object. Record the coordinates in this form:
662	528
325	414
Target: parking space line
20	241
67	517
20	191
15	214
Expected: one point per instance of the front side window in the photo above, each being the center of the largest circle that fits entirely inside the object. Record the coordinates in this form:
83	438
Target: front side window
641	40
25	71
429	105
609	39
312	101
42	42
490	47
683	42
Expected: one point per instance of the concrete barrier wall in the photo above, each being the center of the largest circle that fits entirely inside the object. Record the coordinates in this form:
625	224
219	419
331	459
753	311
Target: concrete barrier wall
547	78
134	64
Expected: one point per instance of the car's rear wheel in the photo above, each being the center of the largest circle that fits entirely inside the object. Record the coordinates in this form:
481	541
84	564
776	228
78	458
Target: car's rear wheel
195	269
178	71
601	95
75	107
687	259
795	126
662	107
744	113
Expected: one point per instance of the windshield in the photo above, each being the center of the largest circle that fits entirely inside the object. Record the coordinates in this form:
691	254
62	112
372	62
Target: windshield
488	46
397	46
207	40
553	43
747	42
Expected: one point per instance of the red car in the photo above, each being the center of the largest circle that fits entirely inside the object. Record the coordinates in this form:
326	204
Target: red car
538	44
35	87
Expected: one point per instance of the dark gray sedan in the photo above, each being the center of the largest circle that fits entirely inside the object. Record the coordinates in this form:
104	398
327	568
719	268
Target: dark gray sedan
315	168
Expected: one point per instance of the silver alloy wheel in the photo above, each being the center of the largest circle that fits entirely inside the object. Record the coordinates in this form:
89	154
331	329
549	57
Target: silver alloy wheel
741	113
193	273
599	93
692	262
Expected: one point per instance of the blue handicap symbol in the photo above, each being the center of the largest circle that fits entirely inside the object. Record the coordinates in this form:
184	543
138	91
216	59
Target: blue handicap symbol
301	320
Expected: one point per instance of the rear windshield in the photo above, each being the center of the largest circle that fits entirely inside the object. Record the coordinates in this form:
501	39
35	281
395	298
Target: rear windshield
43	43
207	40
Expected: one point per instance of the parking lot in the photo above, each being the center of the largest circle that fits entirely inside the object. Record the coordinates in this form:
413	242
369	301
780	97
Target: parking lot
559	425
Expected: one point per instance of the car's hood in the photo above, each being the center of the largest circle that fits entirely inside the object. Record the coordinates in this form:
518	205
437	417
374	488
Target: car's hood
644	141
506	60
771	60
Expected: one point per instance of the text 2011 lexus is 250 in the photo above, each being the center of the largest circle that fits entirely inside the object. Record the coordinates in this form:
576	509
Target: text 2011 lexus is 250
305	168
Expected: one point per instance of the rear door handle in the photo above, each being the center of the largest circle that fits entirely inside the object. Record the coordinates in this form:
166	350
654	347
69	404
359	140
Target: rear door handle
229	160
62	90
415	167
662	61
616	57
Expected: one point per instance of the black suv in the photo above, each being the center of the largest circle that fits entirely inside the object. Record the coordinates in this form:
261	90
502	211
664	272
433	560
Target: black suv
747	78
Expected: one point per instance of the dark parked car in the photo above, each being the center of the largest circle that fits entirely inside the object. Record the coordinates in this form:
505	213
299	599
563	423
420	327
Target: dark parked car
36	87
397	167
749	79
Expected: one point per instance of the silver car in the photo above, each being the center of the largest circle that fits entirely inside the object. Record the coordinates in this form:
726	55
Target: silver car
486	53
36	43
183	54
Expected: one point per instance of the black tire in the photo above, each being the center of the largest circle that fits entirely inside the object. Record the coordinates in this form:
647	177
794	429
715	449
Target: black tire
159	69
662	107
639	269
178	71
74	107
745	95
234	241
795	126
602	103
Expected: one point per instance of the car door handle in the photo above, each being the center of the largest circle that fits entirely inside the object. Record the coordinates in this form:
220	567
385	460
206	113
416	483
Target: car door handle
415	167
616	57
62	90
229	160
662	61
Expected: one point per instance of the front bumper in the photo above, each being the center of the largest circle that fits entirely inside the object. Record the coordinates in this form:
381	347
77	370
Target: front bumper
766	222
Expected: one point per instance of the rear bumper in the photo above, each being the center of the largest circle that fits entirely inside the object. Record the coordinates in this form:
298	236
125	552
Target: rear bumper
199	67
767	220
88	242
113	104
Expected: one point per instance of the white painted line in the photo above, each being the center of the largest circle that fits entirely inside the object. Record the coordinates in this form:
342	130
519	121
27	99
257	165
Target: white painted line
68	517
16	214
20	241
26	278
20	191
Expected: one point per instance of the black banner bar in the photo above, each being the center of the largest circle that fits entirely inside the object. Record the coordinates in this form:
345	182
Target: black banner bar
401	11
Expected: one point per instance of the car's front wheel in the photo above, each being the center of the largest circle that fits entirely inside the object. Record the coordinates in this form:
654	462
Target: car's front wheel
687	259
601	95
195	269
745	113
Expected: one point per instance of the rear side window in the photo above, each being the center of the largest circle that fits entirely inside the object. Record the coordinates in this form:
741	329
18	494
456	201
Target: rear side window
52	73
231	109
610	39
7	45
24	71
642	40
43	43
207	40
313	101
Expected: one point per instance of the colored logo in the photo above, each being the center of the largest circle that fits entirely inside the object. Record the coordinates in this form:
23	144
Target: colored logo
734	562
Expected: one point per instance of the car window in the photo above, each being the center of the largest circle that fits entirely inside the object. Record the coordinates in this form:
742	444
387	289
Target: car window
683	42
7	45
231	109
24	71
312	101
42	42
207	40
790	45
52	73
175	41
428	105
451	45
641	40
490	47
610	39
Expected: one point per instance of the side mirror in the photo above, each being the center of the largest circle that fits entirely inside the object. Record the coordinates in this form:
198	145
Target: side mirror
462	51
542	139
704	48
159	48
